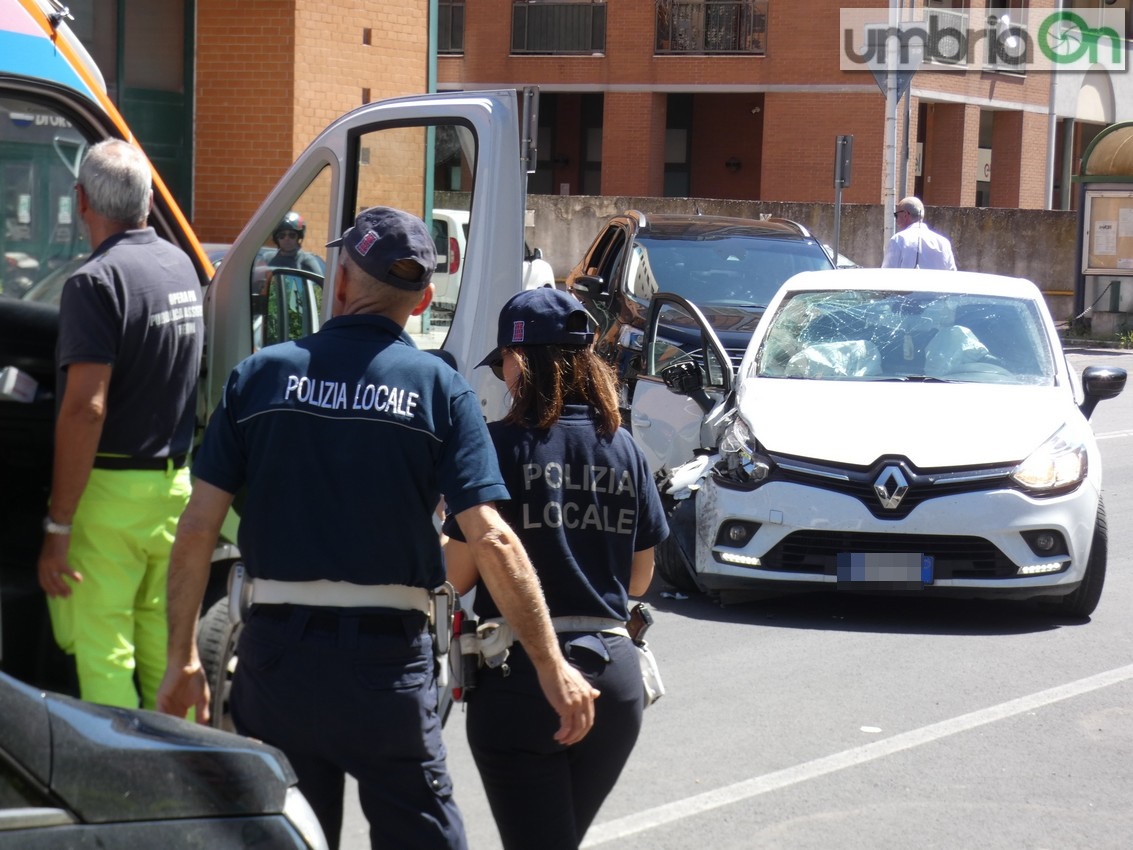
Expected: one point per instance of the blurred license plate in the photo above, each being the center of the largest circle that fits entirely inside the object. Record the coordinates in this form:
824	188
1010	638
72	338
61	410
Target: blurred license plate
890	569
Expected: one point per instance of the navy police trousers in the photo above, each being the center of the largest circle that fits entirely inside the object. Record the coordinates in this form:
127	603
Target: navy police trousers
348	691
543	794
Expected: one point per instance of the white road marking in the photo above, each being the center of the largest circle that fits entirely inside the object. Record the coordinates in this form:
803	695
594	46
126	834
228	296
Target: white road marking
1108	435
602	833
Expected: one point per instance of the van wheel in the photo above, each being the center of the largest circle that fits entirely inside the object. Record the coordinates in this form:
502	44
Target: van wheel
216	644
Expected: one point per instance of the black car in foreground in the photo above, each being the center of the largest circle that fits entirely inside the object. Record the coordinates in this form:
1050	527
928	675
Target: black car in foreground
78	775
728	267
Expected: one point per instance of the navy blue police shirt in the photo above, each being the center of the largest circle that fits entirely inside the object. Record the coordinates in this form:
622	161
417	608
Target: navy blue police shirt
582	505
346	440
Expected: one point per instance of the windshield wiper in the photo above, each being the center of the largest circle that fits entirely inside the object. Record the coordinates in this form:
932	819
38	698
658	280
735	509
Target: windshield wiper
917	379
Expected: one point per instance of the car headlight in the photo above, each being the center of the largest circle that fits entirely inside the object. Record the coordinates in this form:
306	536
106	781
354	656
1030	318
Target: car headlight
741	462
299	812
1060	463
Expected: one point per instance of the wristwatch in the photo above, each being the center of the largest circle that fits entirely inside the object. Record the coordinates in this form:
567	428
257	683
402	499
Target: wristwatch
50	526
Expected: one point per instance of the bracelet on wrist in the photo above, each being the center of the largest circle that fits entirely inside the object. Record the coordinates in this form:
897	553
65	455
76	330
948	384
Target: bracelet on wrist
50	526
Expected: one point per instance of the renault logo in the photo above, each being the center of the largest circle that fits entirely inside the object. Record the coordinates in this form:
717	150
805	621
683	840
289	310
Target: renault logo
891	487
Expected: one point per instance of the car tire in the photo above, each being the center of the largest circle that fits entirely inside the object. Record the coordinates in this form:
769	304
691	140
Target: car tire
673	566
1083	601
216	643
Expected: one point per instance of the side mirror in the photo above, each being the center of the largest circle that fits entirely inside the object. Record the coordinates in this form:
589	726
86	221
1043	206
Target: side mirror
593	285
287	305
536	254
686	379
1100	384
683	378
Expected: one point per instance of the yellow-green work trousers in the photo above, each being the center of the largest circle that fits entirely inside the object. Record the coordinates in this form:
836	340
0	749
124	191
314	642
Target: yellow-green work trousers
114	621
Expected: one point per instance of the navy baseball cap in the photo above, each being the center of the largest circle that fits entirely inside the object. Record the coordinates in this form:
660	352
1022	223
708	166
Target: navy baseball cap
542	316
383	235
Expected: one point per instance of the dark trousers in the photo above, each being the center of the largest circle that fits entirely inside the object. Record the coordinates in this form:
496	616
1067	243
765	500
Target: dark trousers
341	692
543	794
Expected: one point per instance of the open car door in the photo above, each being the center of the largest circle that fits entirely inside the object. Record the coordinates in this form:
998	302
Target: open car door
685	379
452	151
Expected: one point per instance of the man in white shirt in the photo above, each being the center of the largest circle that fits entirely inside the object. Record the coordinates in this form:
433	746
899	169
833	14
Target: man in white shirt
914	245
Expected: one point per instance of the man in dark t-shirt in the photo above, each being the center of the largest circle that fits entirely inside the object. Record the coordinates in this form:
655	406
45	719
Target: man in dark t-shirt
128	357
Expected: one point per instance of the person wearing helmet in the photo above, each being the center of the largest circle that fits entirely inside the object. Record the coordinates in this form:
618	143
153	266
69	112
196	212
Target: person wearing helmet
288	237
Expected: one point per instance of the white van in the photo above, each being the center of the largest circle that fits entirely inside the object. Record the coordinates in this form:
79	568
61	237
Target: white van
53	105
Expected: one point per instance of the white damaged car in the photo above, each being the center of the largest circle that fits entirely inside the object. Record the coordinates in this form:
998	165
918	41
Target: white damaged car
885	430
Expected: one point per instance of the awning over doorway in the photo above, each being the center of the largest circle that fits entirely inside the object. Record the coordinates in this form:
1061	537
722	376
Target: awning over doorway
1110	155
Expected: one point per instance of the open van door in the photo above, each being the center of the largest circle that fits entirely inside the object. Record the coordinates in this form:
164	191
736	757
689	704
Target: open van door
457	152
453	151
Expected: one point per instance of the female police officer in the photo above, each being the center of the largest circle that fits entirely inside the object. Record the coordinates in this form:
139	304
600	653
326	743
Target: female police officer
585	507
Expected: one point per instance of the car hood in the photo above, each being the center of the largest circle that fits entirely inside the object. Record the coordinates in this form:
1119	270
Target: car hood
732	324
109	764
727	317
933	425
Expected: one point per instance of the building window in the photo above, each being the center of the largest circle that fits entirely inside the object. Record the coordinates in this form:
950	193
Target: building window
1006	24
992	38
450	26
712	26
567	26
948	24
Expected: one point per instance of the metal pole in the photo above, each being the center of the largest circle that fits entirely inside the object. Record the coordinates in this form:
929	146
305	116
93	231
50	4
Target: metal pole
837	223
1079	249
1069	127
1052	136
890	146
904	182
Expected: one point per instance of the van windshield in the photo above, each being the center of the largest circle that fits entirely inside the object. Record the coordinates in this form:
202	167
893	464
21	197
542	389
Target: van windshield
40	152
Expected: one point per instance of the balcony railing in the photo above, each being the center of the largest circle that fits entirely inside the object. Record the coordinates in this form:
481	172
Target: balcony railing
947	41
952	44
712	26
562	27
450	26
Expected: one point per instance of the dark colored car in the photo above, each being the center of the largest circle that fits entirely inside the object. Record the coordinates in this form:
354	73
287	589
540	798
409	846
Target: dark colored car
75	774
729	267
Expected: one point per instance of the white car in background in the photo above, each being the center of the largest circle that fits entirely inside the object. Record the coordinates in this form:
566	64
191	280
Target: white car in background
450	236
887	430
537	272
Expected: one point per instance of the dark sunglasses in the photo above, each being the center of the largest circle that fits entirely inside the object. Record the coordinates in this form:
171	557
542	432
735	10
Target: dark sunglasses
498	370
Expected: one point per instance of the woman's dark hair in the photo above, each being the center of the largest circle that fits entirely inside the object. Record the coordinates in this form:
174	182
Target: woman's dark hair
551	376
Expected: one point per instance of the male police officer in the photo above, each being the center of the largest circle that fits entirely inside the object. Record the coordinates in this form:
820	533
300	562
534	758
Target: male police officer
346	441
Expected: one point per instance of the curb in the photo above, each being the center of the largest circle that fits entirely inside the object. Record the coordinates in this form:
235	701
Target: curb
1088	344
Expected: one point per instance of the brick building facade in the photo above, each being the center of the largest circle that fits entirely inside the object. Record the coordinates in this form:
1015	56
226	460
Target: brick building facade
753	108
273	75
731	99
